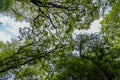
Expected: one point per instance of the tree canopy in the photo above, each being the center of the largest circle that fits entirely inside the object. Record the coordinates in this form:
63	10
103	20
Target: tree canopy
47	49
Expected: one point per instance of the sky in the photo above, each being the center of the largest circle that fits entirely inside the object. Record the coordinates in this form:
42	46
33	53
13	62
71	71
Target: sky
9	28
94	27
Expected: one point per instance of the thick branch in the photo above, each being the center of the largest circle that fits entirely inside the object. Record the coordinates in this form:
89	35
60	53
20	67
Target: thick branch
50	4
23	47
28	60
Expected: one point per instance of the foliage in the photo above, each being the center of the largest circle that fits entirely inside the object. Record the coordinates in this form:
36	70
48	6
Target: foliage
63	15
47	49
6	4
94	61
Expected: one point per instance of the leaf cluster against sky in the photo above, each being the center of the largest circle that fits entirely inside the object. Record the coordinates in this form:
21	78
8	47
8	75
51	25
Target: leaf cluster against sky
10	28
49	49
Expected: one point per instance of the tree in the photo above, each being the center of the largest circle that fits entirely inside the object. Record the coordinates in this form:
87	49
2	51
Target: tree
45	50
92	60
111	24
63	15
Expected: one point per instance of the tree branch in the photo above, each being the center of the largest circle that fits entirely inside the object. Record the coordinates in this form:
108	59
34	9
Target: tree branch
50	4
28	60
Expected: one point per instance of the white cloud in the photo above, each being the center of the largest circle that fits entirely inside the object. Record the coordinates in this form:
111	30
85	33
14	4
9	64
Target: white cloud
10	28
94	27
5	37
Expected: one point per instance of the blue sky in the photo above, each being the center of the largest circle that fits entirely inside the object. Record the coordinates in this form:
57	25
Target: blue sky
10	28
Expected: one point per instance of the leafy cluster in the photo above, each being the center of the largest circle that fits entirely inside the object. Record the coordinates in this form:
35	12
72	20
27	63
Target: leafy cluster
48	50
